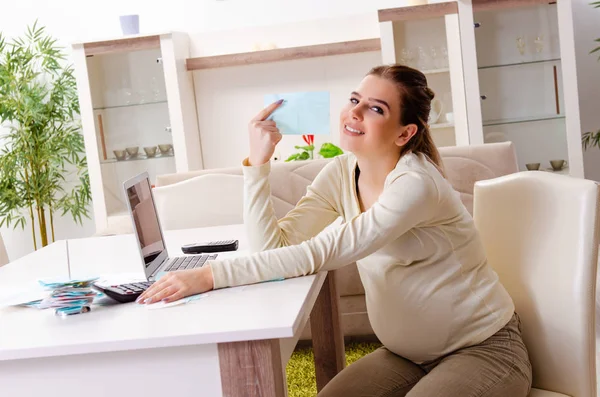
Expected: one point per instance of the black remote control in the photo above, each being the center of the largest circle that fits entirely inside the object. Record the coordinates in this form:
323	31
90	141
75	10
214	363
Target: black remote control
210	246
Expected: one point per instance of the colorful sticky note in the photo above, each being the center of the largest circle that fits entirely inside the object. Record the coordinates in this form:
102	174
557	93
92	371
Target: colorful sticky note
302	113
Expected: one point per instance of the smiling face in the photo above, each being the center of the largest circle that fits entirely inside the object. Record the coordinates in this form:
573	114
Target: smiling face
370	123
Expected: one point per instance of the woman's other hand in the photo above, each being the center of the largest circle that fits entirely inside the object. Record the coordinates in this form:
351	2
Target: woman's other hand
179	284
264	135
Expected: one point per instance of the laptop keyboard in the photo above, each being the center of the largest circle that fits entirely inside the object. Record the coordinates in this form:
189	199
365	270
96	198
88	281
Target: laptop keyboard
188	262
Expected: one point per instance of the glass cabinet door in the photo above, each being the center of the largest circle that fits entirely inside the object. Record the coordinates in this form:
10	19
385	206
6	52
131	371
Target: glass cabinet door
421	44
131	119
520	80
427	37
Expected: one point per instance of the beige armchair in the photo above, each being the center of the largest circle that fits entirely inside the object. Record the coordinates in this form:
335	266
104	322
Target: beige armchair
464	165
540	231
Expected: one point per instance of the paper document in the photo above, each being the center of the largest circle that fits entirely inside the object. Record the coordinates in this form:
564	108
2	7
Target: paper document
22	295
183	301
302	113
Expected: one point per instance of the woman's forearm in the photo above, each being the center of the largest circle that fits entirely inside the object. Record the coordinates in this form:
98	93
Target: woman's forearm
260	220
314	211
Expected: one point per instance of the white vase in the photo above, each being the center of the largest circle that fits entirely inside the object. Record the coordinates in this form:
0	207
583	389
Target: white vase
130	24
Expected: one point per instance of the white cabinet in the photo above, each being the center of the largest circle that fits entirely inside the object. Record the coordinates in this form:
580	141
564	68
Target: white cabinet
427	38
527	82
511	73
138	114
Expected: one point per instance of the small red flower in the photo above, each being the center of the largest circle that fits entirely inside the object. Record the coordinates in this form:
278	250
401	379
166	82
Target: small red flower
309	139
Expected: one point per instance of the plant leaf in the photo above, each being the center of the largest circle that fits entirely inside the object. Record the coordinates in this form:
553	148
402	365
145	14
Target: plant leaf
293	157
590	139
309	148
42	162
329	150
303	156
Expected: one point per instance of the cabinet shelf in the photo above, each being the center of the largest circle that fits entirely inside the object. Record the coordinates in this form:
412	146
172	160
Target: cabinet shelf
519	64
441	126
283	54
564	171
422	11
436	71
522	120
129	105
487	5
137	158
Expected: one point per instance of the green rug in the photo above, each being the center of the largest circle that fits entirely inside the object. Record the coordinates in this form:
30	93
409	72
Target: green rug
301	368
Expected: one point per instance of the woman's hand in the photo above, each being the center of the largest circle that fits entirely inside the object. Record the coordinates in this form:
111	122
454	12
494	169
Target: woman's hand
264	135
179	284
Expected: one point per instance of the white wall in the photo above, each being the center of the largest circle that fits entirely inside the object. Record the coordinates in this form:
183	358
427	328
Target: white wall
587	29
76	20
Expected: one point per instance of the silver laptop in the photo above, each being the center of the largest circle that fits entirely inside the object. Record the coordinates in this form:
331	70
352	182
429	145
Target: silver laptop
149	234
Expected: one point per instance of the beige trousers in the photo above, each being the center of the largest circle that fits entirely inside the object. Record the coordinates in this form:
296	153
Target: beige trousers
497	367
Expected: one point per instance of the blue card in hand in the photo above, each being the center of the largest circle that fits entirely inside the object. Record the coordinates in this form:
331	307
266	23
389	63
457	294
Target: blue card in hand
302	113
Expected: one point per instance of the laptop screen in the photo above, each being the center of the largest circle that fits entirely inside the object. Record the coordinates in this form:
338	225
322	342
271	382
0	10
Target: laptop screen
145	220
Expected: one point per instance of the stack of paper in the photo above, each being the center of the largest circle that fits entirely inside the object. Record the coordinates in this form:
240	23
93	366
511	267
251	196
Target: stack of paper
67	296
302	113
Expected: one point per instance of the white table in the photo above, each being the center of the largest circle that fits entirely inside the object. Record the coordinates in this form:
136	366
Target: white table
232	342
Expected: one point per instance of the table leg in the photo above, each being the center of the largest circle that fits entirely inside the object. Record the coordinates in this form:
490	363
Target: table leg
252	369
326	332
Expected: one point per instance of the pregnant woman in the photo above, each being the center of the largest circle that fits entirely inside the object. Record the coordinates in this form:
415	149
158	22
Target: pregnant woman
447	325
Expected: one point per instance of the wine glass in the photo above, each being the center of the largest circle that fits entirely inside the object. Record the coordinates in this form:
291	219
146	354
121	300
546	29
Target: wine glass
539	44
128	94
435	61
411	57
521	45
155	90
423	59
406	57
445	62
403	57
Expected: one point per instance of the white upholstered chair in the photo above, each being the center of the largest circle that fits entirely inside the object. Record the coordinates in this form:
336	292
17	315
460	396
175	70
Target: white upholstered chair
202	201
540	231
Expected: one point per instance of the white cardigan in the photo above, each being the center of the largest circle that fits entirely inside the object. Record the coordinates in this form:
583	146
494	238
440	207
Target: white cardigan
428	286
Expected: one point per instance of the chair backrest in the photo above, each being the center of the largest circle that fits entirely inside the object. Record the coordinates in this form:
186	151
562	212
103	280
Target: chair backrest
202	201
464	165
288	180
540	232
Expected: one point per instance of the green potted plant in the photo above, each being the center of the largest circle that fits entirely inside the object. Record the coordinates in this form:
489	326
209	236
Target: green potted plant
590	138
43	148
328	150
596	4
